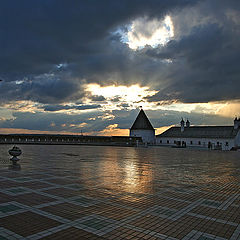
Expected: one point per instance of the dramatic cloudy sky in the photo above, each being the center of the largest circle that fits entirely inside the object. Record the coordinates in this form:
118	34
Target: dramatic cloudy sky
70	66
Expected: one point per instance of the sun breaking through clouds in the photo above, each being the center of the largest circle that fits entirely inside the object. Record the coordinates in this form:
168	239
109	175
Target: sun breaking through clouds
88	66
152	32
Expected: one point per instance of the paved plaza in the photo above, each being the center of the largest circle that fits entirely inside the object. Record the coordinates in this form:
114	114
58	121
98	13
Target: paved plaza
44	202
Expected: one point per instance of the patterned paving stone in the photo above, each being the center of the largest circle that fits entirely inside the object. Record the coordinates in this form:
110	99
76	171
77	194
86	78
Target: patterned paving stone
8	184
27	223
6	234
97	196
36	185
6	208
97	224
75	186
3	238
84	201
32	199
60	181
73	234
16	191
23	179
66	210
61	192
4	197
116	212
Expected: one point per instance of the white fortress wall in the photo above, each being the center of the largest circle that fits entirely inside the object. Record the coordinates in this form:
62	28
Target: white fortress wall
227	144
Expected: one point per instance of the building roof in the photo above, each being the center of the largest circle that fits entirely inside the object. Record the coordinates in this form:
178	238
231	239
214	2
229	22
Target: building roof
142	122
201	132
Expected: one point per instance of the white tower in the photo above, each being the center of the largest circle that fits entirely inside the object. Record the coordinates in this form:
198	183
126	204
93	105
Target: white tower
143	128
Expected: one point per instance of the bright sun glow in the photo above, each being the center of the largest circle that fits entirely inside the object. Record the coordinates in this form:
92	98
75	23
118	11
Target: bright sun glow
130	94
153	32
133	96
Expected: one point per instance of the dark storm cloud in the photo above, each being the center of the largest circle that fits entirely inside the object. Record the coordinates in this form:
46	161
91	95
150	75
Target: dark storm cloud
205	62
205	66
45	88
54	108
57	46
38	36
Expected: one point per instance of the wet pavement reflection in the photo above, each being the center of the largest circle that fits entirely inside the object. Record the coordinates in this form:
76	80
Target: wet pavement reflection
120	193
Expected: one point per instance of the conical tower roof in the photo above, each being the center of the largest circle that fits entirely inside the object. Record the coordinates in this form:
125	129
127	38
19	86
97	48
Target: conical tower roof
142	122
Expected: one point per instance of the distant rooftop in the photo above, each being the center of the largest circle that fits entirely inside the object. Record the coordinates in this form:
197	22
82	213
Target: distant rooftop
142	122
201	132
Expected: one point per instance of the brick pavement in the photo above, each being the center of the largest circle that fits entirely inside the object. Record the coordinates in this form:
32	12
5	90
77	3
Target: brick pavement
56	204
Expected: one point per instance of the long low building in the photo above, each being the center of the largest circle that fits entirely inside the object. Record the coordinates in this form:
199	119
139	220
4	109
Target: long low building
68	139
211	137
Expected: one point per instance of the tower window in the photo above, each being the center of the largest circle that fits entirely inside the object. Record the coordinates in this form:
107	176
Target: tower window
199	142
167	141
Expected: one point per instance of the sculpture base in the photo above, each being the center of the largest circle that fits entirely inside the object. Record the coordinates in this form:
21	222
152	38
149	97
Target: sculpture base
14	160
15	167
